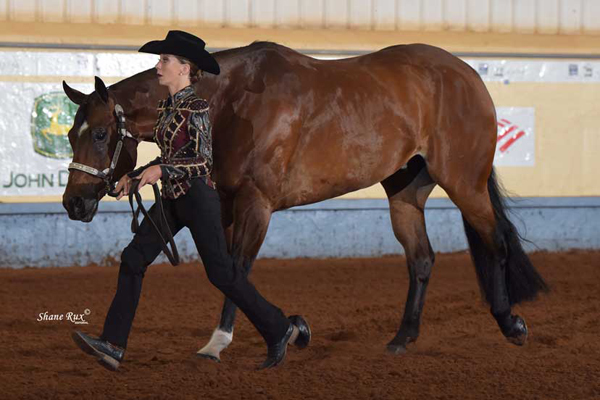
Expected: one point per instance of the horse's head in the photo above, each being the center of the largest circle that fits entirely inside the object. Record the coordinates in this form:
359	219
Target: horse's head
94	137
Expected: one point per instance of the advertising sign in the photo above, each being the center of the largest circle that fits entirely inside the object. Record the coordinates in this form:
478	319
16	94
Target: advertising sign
516	141
34	146
51	119
36	116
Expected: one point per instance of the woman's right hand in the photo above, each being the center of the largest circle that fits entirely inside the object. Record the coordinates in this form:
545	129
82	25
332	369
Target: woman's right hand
123	186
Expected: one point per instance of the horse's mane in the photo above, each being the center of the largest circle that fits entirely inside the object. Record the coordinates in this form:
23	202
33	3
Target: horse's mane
141	80
264	43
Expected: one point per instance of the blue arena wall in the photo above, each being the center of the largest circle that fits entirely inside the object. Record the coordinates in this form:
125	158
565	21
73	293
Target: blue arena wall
41	235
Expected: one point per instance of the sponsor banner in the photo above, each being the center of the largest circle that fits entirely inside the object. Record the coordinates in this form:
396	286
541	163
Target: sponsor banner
63	63
515	146
37	116
563	71
34	147
36	152
34	63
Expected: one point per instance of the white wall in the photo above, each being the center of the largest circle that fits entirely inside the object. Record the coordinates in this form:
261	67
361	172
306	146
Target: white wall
511	16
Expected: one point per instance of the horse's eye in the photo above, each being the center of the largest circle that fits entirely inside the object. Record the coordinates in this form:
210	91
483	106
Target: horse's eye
99	134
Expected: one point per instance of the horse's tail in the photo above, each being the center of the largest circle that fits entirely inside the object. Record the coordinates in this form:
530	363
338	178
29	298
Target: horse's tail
523	282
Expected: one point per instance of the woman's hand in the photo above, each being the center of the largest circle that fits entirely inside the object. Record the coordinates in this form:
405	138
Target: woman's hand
123	186
151	175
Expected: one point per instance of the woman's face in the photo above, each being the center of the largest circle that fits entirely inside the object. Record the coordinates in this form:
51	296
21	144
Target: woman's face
169	70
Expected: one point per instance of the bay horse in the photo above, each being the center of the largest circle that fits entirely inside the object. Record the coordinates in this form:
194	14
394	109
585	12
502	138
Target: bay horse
290	130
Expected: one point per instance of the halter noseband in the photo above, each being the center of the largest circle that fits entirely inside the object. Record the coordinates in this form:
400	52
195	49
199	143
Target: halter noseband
106	174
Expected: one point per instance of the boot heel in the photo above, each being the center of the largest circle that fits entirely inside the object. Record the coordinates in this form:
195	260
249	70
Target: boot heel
304	333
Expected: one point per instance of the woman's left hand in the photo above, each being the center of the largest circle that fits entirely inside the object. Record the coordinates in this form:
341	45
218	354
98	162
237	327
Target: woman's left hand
151	175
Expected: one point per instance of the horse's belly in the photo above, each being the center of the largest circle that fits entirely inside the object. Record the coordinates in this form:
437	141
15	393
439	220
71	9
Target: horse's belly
331	168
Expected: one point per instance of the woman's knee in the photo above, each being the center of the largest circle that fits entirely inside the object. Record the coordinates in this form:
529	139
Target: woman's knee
133	261
222	276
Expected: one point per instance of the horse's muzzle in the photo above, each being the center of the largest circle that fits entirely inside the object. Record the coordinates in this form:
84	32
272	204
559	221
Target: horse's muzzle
80	209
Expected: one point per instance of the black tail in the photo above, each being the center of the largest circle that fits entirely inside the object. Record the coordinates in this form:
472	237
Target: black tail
523	282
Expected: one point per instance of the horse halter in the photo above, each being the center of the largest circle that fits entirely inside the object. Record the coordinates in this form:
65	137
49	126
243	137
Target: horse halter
106	174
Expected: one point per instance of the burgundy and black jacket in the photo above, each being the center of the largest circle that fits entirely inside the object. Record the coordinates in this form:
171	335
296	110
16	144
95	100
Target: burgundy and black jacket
183	133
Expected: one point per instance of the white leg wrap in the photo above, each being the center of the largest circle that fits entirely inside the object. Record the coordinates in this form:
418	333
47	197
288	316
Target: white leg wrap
217	343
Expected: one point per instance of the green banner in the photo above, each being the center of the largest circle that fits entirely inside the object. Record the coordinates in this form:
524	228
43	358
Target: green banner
51	119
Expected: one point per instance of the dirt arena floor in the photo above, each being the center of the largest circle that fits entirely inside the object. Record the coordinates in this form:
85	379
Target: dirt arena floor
354	307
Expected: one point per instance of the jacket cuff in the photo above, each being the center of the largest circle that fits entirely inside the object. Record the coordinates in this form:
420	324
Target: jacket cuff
171	172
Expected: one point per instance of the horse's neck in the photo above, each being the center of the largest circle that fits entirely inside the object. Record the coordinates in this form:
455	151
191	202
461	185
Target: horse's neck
139	96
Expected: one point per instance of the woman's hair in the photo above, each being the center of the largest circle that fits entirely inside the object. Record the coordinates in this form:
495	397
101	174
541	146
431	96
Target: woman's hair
195	72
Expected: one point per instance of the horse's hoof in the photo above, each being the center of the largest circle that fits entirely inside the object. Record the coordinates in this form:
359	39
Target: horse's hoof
396	349
518	331
208	357
399	344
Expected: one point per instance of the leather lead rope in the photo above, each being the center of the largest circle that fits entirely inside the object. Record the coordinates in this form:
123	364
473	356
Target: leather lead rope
171	253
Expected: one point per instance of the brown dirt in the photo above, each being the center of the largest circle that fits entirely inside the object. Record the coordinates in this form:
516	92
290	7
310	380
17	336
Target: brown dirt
354	307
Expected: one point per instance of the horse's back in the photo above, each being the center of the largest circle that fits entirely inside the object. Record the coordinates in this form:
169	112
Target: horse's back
391	74
274	59
420	54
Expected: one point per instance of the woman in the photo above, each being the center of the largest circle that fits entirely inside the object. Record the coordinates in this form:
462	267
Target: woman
183	133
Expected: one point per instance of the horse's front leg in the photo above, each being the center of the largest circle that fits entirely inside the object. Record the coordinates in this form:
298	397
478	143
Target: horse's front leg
251	214
222	336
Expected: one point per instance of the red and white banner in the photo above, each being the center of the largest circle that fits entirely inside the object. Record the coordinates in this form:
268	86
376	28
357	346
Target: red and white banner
515	145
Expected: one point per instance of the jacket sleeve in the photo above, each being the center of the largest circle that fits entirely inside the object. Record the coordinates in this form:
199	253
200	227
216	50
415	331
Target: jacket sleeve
137	172
196	159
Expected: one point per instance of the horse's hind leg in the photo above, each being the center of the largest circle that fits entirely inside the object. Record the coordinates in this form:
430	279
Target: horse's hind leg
251	214
505	273
487	253
407	192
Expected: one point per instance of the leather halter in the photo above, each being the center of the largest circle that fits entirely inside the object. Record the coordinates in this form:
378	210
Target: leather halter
106	174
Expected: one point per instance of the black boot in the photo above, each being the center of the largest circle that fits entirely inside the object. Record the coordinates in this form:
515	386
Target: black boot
276	352
108	355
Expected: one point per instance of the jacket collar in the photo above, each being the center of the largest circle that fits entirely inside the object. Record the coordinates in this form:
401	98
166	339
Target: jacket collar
179	96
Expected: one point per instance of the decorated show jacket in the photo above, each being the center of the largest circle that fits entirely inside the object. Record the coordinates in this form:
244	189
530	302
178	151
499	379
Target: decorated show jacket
183	133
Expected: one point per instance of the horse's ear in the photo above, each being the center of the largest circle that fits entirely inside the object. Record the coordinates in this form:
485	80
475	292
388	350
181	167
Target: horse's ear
74	95
101	89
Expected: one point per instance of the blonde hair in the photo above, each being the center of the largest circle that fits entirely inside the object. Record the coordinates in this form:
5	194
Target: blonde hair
195	72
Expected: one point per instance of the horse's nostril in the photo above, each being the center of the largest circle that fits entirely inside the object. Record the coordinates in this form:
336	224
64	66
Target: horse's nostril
76	204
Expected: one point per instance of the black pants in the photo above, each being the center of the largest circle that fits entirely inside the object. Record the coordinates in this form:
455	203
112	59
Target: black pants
200	211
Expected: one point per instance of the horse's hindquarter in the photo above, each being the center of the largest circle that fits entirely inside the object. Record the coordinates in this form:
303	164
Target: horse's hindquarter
462	128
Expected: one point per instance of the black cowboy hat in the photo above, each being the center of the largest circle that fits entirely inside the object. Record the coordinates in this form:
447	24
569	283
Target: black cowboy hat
183	44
